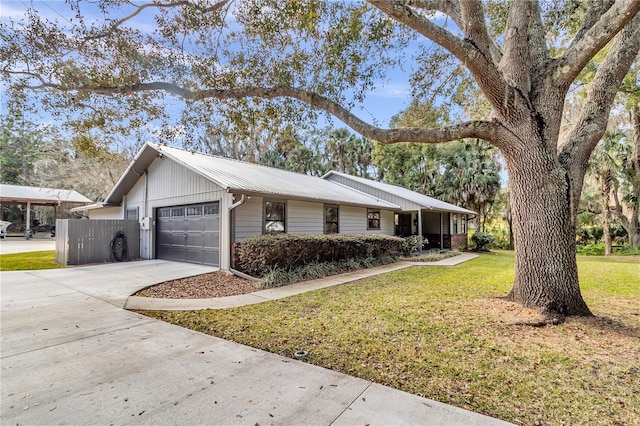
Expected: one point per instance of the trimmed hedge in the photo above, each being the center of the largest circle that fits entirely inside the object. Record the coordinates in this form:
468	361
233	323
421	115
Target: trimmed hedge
258	255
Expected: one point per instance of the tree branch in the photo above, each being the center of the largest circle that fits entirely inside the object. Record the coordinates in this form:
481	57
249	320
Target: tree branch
480	65
577	56
581	140
594	12
486	130
450	8
113	27
516	63
475	29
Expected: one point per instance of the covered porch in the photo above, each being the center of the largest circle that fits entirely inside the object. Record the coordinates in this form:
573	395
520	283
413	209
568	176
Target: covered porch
26	197
444	230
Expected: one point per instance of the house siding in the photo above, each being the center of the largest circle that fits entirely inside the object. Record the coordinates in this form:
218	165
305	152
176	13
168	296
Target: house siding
248	219
106	213
353	220
305	218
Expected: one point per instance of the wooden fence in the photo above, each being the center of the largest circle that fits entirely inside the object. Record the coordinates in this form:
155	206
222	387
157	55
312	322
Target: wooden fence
81	241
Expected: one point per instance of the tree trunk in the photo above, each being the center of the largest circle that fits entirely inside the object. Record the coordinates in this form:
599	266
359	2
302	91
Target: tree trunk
634	231
544	227
606	213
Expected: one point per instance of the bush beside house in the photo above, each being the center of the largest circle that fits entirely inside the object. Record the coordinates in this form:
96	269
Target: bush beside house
257	256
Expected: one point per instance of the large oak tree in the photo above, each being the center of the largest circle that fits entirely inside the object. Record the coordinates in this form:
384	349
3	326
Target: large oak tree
280	60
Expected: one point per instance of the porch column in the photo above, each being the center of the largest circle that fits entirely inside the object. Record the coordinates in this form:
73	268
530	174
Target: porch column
28	216
441	232
420	223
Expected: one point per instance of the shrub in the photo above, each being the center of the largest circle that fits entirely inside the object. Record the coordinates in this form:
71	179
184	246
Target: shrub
482	241
598	250
591	249
277	277
257	256
413	244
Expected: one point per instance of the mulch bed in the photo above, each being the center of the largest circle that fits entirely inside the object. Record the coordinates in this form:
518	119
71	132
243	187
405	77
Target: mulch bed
205	286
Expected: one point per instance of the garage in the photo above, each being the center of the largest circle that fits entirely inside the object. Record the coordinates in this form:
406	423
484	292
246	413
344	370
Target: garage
189	233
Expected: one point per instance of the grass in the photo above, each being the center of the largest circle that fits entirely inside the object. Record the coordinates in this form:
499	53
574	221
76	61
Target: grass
437	332
29	261
431	257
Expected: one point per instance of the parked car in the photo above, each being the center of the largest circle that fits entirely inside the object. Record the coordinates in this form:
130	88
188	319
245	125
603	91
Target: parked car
3	228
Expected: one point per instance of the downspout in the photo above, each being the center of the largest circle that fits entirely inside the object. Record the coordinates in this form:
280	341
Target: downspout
441	233
144	216
232	207
146	192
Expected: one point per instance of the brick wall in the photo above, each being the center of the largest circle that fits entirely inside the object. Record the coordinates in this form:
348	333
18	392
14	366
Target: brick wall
459	241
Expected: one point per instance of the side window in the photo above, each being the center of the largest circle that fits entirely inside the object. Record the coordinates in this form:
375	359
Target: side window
373	219
274	217
331	224
132	213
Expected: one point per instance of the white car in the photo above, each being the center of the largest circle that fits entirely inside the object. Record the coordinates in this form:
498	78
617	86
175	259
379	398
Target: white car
3	228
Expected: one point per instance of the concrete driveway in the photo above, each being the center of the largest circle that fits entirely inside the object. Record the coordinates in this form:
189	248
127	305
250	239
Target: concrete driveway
72	355
10	245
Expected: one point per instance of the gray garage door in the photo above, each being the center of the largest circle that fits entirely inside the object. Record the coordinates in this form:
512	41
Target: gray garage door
189	233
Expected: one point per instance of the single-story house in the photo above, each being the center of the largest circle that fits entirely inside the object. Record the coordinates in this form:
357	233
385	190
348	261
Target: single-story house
192	207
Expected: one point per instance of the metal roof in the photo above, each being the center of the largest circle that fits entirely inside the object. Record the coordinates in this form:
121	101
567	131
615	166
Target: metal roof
41	196
421	199
240	177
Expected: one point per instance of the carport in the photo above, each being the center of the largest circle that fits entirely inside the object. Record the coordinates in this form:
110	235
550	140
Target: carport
34	196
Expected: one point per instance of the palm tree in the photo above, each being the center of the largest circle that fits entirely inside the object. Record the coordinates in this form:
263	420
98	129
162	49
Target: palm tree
605	161
471	178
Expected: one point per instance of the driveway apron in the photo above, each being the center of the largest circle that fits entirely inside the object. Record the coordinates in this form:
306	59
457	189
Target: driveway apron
71	355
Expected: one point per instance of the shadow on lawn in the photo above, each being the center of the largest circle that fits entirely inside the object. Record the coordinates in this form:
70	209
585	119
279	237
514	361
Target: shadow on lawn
610	325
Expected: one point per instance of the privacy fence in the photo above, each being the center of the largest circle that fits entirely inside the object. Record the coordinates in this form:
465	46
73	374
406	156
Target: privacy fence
81	241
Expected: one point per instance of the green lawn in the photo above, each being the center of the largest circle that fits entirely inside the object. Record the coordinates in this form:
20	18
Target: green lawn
29	261
435	332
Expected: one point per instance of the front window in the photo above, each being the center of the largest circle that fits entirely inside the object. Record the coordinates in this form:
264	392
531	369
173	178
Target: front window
274	217
373	219
331	220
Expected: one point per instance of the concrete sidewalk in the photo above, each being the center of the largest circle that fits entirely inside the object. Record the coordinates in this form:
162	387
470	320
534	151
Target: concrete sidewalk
71	355
154	304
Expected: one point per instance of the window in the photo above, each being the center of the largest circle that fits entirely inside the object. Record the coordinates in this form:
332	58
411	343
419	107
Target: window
373	219
331	220
459	223
164	212
211	209
177	212
274	217
132	213
194	211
